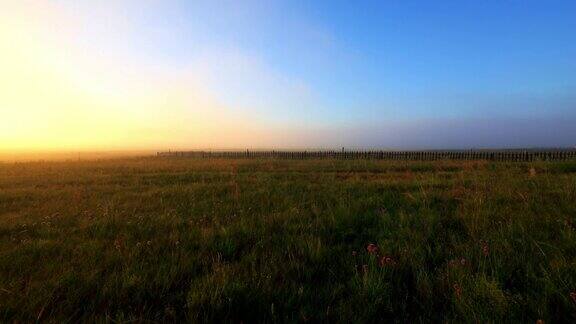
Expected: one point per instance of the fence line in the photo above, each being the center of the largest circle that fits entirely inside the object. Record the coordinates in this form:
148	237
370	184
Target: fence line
490	155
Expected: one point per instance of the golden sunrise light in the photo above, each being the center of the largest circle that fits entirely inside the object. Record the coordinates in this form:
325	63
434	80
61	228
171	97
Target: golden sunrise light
60	93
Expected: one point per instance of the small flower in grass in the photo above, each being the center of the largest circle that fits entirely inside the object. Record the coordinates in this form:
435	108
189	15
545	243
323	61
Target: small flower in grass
485	248
457	290
372	248
149	243
354	253
387	261
117	244
462	262
169	310
532	172
569	224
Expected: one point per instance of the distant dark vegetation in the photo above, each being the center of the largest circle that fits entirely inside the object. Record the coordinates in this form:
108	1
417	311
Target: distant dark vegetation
275	240
518	155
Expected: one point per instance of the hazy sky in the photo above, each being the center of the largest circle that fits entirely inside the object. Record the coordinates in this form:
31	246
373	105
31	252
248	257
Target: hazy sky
145	74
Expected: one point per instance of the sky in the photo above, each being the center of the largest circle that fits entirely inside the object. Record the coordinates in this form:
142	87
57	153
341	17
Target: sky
410	74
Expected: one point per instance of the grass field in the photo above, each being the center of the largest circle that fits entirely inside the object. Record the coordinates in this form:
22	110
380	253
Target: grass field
287	241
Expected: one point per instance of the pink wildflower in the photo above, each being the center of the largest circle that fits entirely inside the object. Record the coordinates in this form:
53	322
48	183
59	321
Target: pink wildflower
485	248
372	248
457	290
387	261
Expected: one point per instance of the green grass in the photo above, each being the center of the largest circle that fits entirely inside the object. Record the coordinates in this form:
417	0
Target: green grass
285	241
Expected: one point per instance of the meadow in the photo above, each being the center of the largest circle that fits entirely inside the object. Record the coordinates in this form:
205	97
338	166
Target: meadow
267	240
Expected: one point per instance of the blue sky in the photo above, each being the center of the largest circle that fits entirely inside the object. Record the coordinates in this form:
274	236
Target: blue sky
333	73
404	59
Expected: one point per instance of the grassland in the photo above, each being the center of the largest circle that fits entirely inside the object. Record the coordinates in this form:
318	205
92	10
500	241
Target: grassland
287	241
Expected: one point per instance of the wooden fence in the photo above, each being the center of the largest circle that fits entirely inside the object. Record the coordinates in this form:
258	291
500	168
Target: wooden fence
432	155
